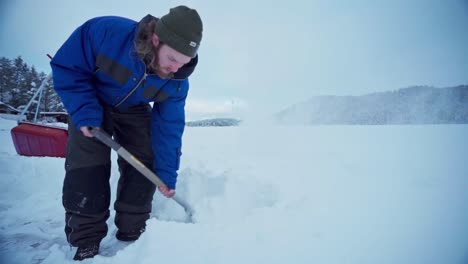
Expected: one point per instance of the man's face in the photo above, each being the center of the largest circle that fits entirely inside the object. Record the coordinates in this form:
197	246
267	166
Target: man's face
168	60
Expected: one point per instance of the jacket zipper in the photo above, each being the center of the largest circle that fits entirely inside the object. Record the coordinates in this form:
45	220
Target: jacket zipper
132	91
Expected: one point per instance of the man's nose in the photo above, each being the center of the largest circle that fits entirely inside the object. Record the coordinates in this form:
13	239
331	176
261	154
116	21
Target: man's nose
175	67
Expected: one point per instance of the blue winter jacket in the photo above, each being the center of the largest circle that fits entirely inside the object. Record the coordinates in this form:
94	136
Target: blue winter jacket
98	63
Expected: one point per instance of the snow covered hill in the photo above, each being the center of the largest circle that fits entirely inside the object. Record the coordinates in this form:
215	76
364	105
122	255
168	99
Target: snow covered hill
322	194
413	105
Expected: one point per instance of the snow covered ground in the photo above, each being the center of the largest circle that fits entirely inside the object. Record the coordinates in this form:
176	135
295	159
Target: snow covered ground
270	194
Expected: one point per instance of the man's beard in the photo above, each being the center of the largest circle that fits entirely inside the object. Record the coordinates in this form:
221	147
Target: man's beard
156	68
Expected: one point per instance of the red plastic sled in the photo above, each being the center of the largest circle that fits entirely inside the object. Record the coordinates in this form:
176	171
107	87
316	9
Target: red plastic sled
33	139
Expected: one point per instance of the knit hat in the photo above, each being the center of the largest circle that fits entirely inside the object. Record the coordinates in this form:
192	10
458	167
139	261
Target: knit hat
181	29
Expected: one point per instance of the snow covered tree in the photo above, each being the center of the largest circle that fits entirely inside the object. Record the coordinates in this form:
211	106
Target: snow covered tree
19	91
51	100
6	79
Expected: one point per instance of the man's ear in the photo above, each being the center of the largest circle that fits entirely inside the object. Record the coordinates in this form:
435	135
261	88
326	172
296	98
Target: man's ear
155	39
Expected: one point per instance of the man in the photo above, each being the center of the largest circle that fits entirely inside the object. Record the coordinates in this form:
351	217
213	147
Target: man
106	73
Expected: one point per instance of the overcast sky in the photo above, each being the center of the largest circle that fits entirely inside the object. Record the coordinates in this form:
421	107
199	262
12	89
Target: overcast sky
267	55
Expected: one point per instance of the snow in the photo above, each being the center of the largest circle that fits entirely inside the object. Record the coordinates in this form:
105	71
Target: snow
10	116
269	194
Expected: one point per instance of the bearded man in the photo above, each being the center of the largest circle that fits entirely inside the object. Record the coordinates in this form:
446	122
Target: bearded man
107	73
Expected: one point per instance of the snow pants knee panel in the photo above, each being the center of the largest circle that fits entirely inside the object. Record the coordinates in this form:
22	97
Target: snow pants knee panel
87	190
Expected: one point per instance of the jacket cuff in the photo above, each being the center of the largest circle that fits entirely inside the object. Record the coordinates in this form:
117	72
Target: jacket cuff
88	122
168	179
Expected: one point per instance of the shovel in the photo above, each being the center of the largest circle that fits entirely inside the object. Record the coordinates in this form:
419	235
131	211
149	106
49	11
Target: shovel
132	160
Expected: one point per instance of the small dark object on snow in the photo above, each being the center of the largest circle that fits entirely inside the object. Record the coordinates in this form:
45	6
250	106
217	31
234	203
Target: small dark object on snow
88	251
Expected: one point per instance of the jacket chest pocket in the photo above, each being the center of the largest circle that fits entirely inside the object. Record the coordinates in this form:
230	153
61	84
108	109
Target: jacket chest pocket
155	94
113	69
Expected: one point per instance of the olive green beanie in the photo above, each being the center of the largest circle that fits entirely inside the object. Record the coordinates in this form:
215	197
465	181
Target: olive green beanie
181	29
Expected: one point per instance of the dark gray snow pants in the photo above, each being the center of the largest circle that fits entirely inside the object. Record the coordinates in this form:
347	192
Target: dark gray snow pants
86	188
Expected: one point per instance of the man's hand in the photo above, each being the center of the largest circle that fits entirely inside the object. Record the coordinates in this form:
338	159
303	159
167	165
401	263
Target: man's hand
166	191
87	131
